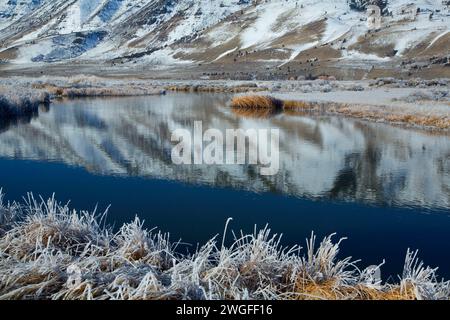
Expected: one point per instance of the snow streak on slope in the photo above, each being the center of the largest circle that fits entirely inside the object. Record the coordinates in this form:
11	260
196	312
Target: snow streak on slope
12	10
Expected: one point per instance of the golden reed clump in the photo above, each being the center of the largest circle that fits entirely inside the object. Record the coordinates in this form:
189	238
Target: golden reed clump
256	102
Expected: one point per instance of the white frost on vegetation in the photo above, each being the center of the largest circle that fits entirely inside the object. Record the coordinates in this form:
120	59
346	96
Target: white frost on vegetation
47	241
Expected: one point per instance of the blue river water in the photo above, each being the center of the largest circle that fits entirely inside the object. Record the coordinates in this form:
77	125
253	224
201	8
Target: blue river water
385	188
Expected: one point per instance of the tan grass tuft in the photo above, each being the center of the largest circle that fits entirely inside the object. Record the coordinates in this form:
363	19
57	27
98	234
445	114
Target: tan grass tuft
256	102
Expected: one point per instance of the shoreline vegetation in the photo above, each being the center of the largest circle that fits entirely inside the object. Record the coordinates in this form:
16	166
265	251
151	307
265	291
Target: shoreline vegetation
418	103
49	251
15	104
258	105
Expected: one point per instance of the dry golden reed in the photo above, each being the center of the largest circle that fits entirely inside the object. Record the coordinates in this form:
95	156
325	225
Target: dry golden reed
256	102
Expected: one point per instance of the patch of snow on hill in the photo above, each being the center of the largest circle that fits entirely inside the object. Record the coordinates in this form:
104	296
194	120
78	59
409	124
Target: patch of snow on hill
262	30
200	15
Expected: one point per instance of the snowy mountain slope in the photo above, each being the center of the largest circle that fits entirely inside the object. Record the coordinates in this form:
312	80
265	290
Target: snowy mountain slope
289	28
283	32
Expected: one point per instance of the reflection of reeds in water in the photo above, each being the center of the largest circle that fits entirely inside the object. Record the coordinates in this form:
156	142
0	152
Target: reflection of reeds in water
40	250
257	113
256	106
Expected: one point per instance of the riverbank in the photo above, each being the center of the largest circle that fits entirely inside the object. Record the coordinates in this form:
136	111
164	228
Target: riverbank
419	103
21	97
49	251
16	103
417	108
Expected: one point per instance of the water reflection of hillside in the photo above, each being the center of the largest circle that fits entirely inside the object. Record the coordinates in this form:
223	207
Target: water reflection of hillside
328	157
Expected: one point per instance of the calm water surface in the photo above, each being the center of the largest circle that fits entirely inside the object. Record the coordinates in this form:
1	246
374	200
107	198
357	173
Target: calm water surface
385	188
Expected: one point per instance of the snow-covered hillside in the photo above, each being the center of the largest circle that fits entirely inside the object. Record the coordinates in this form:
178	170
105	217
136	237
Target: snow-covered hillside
218	31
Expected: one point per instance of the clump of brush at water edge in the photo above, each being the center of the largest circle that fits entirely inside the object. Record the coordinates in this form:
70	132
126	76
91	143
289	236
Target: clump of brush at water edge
267	102
259	106
256	102
23	102
264	106
48	251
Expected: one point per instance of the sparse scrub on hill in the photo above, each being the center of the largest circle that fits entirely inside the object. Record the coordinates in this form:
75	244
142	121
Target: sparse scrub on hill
48	251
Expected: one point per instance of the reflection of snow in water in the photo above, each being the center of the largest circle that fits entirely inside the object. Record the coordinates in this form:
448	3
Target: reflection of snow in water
333	157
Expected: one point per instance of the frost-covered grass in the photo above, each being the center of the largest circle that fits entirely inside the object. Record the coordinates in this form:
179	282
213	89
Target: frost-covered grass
29	93
48	251
91	86
16	102
108	91
402	116
20	98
